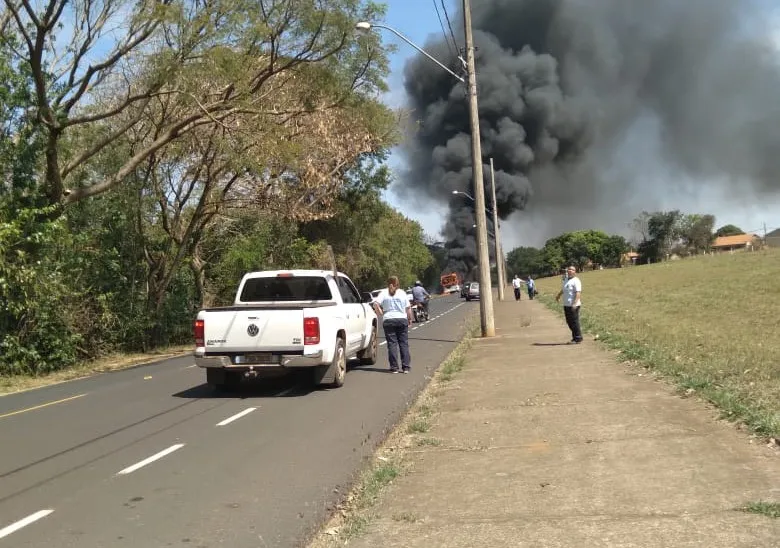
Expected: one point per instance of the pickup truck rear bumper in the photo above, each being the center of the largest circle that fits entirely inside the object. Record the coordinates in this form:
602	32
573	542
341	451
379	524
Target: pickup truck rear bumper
225	362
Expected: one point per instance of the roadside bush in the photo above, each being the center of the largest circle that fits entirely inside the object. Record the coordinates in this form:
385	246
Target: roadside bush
35	336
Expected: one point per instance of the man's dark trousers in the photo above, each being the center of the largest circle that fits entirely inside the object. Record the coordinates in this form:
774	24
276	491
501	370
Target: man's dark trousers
572	314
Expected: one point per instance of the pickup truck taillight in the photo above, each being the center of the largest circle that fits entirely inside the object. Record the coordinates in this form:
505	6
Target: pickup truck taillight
311	331
200	337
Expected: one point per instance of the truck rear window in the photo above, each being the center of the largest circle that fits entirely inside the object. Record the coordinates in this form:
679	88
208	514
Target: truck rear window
304	288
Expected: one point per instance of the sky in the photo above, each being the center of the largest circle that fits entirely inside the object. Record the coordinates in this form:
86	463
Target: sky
417	19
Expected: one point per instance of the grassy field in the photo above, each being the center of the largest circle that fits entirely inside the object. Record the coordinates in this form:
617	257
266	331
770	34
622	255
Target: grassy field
710	323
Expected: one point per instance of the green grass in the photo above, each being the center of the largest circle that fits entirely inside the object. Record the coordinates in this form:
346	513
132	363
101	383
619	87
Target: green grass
768	509
371	485
709	324
408	517
421	422
431	442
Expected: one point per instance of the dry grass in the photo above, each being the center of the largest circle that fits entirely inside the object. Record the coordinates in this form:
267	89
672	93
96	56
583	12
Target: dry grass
113	362
709	323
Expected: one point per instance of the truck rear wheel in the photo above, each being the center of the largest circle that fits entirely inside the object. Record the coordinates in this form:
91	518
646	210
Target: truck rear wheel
368	356
339	364
321	375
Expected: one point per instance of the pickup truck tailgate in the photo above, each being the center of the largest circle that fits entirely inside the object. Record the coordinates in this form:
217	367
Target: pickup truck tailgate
253	330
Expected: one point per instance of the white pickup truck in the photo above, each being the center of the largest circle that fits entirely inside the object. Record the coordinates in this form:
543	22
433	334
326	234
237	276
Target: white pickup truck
285	320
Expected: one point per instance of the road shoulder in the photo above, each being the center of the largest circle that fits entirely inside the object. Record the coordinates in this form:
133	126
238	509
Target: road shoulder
116	362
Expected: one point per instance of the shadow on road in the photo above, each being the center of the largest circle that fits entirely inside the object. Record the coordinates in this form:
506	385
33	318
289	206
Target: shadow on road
551	344
371	369
290	386
294	384
413	338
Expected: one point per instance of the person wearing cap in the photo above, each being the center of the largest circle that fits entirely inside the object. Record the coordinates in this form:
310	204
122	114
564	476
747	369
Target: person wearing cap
420	295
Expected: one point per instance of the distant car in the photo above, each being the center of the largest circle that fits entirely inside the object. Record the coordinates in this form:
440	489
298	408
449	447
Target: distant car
473	291
464	290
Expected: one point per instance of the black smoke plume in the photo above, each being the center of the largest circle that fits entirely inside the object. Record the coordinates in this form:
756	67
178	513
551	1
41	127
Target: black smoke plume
595	109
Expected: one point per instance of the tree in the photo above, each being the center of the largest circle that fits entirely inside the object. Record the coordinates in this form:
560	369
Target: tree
664	232
729	230
370	239
526	261
210	63
431	278
612	250
696	232
639	227
582	248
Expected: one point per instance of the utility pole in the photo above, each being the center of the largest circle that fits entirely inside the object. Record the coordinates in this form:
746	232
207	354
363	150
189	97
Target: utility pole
500	274
486	318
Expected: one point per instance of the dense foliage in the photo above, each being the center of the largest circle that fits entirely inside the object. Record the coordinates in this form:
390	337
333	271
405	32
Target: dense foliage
146	166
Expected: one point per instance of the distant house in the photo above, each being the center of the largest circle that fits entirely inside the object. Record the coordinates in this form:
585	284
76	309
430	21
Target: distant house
629	258
773	238
747	242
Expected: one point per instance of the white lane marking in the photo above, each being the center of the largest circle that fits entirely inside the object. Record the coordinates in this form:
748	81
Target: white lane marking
32	518
237	416
382	343
191	366
158	456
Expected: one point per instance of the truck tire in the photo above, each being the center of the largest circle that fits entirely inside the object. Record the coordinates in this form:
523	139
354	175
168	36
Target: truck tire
369	355
221	380
333	374
339	364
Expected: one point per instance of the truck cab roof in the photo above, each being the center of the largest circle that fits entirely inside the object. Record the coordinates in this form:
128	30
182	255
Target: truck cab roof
291	273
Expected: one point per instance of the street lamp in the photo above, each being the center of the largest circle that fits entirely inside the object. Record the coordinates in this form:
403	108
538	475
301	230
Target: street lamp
487	320
365	26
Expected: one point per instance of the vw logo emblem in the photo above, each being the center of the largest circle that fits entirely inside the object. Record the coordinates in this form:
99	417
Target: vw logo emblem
252	330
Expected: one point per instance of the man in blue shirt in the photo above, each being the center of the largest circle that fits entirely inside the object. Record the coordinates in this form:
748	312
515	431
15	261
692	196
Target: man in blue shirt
420	295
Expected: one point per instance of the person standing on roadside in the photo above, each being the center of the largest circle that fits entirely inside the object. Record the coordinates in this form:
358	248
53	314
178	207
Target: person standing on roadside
531	288
571	292
393	306
516	285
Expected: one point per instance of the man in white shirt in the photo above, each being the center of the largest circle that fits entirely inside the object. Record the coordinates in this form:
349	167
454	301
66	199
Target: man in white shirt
516	284
393	306
571	292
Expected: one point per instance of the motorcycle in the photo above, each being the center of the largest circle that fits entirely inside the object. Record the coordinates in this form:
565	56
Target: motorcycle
419	312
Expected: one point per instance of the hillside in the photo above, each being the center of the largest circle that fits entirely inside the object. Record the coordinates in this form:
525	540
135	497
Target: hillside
709	322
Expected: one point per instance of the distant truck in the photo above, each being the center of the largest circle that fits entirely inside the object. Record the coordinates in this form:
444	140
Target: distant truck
291	319
450	283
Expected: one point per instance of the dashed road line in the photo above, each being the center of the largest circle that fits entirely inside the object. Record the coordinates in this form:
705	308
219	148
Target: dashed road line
430	320
41	406
32	518
156	456
237	416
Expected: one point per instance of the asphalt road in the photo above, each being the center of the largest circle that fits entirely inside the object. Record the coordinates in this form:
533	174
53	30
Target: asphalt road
152	457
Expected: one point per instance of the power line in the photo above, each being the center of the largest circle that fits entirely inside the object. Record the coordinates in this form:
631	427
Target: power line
452	34
444	31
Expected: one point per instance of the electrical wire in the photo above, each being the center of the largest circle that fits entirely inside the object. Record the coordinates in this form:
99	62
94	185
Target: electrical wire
444	31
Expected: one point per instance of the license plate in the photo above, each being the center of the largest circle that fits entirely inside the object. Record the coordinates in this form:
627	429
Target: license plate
256	359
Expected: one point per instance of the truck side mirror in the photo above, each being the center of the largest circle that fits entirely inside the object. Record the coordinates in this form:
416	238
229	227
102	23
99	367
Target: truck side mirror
367	298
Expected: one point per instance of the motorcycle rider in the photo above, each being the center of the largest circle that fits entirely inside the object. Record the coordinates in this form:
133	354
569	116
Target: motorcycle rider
420	296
